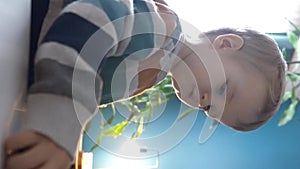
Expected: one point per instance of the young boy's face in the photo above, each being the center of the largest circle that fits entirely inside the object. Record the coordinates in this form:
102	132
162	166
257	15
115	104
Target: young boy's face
245	88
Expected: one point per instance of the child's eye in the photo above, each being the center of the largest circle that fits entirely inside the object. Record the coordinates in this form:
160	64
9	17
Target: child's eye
223	88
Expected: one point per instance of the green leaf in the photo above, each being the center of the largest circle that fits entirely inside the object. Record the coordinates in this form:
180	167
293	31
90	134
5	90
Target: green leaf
131	106
139	130
112	131
168	89
292	77
185	113
284	53
115	130
109	121
155	99
97	143
295	27
112	117
289	113
287	95
141	99
293	39
94	147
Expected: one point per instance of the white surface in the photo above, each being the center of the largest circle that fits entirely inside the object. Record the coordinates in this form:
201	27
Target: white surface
265	16
14	48
87	160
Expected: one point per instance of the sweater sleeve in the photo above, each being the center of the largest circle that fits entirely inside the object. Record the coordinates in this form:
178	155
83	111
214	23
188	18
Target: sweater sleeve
67	88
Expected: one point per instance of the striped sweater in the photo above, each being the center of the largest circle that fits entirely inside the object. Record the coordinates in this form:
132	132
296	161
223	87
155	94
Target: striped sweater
95	52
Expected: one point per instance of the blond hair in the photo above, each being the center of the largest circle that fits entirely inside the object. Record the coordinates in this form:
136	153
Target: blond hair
267	58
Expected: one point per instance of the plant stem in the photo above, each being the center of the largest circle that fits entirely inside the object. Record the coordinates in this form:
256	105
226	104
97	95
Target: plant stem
293	62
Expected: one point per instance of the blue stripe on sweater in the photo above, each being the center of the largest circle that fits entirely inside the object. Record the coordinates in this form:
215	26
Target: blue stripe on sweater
141	24
71	30
74	31
114	9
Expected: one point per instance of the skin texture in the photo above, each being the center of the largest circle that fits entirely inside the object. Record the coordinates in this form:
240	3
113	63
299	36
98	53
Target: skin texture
245	87
30	150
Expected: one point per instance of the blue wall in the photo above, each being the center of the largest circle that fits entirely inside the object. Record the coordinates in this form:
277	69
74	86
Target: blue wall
270	147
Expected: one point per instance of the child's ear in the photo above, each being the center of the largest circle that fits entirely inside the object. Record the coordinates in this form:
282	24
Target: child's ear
228	41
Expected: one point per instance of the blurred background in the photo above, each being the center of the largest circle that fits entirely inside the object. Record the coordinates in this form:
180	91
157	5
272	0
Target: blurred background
262	15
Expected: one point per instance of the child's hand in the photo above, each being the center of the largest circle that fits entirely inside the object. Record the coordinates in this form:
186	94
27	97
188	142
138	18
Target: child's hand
28	150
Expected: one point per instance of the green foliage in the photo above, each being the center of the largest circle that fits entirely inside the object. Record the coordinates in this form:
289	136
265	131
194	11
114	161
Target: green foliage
293	36
287	95
284	53
112	131
141	108
293	39
297	30
289	113
291	77
140	129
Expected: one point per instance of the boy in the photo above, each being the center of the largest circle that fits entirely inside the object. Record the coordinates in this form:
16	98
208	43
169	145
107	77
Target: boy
255	73
138	43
